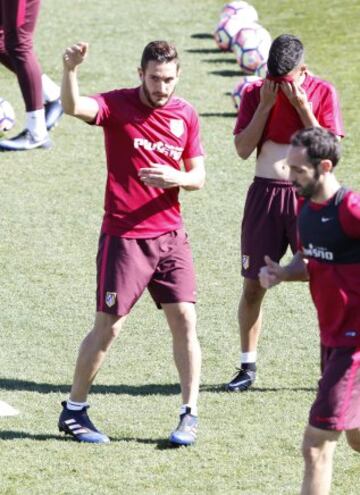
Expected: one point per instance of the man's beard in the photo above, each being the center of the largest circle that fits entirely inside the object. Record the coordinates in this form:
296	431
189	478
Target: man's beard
154	103
310	189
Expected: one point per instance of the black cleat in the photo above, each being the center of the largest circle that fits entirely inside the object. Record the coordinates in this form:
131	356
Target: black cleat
241	381
53	113
24	142
78	425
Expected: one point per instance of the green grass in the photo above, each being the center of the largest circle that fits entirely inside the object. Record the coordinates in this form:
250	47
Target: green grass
51	207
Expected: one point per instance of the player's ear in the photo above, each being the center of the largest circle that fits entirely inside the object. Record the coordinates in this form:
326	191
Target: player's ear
141	74
326	166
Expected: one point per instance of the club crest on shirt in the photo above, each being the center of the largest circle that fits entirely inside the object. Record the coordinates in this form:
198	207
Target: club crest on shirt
245	261
110	299
177	127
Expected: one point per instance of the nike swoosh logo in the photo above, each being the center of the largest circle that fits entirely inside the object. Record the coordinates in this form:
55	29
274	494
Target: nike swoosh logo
325	219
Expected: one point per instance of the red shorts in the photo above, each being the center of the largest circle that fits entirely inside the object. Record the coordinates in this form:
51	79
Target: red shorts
337	404
126	267
269	224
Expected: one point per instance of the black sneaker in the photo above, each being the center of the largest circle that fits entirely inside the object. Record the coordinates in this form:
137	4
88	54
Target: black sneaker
24	142
78	425
53	113
241	381
185	432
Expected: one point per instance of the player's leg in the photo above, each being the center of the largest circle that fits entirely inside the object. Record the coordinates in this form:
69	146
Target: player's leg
181	318
122	276
5	59
318	450
173	288
92	353
19	21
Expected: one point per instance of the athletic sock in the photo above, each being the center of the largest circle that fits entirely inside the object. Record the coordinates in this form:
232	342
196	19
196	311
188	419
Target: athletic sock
35	123
51	91
248	360
193	409
75	406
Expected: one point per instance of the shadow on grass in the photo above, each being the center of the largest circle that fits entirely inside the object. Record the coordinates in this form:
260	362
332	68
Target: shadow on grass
233	115
202	36
226	73
9	435
221	61
135	390
48	388
221	388
23	435
202	50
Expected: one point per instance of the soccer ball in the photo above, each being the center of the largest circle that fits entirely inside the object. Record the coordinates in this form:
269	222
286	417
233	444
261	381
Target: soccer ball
262	70
247	11
7	116
238	91
251	46
226	30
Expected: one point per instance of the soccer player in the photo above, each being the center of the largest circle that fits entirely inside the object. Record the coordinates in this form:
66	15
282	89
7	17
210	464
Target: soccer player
17	24
329	257
148	133
289	99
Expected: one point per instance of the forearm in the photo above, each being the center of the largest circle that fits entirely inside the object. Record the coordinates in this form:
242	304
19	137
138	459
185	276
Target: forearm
193	180
307	116
69	91
248	139
296	270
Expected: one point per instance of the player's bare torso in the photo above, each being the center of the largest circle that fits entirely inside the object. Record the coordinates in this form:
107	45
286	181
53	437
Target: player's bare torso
271	162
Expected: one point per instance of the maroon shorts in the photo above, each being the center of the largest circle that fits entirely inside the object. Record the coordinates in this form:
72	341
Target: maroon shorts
337	404
125	267
269	224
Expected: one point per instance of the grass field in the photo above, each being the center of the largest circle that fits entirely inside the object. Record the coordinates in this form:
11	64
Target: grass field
51	208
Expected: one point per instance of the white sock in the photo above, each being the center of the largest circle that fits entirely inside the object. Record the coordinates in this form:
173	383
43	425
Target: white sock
51	91
193	409
248	357
75	406
35	123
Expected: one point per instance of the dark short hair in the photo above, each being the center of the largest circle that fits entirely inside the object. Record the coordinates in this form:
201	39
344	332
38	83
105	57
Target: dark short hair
285	54
320	144
161	52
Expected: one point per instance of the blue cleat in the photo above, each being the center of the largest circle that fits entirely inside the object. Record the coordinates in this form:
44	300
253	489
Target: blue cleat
185	432
24	142
53	113
78	425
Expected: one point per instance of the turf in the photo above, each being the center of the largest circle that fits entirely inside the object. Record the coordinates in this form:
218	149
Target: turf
51	207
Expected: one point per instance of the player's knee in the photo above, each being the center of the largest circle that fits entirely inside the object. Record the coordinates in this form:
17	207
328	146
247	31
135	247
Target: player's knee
252	294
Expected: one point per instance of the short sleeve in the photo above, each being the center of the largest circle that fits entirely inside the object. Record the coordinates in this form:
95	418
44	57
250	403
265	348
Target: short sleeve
349	214
249	103
193	145
330	113
104	116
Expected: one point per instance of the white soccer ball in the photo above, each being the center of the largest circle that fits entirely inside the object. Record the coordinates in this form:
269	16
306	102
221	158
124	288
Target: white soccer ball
247	11
7	116
226	30
251	46
239	89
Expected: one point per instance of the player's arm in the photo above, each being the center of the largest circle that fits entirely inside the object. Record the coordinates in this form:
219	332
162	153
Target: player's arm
273	273
247	140
82	107
165	176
